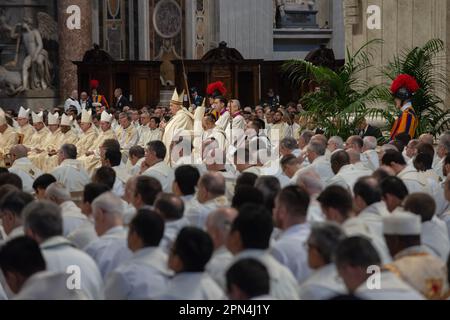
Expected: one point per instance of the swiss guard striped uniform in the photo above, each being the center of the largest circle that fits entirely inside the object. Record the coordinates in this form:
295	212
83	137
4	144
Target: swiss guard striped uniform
100	99
406	122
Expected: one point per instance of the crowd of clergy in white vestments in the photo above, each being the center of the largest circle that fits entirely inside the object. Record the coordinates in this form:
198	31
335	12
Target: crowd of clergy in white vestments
218	202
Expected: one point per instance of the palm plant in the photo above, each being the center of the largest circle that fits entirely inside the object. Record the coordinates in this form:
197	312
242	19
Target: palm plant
424	64
343	98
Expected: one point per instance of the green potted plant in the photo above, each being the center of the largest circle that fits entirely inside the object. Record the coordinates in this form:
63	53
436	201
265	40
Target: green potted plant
341	98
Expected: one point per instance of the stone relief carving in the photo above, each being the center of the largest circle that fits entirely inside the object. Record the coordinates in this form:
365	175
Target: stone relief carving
294	13
167	18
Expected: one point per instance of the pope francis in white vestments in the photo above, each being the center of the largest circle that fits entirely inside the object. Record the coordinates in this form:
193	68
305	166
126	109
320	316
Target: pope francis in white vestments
181	124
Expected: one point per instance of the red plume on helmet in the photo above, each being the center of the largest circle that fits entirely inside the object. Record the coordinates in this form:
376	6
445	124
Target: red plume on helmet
405	81
94	84
216	89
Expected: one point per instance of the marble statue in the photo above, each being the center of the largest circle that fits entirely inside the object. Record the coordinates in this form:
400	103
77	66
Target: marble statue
36	67
305	5
10	81
287	13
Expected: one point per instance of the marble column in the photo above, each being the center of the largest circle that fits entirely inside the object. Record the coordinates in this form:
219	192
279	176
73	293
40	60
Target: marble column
337	23
144	21
72	43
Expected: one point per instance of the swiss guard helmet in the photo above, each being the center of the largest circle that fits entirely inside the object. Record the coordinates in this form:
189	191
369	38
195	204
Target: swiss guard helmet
216	89
403	94
404	87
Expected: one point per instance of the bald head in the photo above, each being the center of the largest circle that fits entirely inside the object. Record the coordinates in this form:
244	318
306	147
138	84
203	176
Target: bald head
208	122
169	206
219	224
222	218
19	151
367	192
338	160
320	138
426	138
355	142
214	183
383	172
310	181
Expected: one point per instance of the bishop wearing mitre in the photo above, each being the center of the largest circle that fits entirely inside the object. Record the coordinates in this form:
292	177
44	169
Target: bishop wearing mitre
39	156
8	137
91	159
25	128
88	135
40	135
181	124
66	136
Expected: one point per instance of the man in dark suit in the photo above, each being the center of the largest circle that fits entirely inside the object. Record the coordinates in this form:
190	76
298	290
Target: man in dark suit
366	130
197	100
121	101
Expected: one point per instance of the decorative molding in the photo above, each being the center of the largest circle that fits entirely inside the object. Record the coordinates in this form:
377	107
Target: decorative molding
200	28
114	28
113	8
352	10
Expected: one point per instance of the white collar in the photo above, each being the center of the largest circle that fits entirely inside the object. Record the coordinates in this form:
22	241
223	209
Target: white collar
319	159
22	161
250	253
406	106
68	204
114	230
296	228
16	232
